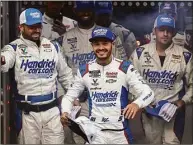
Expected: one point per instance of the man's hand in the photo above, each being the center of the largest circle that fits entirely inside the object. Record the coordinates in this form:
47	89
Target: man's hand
2	60
179	103
59	27
131	110
76	102
64	119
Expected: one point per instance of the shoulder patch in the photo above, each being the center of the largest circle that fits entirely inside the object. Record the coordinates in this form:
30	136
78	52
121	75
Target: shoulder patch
56	45
83	69
139	51
124	66
187	56
14	46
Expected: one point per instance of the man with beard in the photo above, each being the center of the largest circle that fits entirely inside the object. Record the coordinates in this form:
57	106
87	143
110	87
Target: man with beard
104	14
37	62
168	70
77	48
108	81
54	24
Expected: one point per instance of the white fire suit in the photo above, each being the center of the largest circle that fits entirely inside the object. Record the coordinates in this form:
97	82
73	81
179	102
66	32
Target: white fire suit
108	95
78	50
178	39
36	69
172	81
127	37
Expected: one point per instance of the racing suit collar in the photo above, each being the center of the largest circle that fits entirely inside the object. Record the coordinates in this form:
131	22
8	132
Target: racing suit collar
166	51
86	31
47	19
110	65
29	42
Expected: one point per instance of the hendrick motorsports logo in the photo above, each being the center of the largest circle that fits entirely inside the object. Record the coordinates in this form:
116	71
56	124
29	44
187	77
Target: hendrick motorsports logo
83	58
105	97
41	68
165	78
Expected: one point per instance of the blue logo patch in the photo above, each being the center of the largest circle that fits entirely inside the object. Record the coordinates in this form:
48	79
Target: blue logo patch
165	78
83	58
40	68
105	97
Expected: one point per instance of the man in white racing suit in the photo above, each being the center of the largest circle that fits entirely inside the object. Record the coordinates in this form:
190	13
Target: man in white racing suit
170	8
108	80
77	48
104	14
37	62
168	70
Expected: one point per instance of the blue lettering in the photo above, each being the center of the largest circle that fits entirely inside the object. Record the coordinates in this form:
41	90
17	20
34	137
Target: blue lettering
83	58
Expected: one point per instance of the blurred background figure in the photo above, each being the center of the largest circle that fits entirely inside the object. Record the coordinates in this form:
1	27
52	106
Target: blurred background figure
103	17
170	8
188	33
54	23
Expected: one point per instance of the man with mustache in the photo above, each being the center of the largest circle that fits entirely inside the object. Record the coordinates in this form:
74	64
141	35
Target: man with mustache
77	48
168	70
37	62
108	81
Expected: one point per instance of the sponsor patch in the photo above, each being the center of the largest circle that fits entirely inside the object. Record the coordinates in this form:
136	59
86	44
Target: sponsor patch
44	68
73	43
105	97
165	78
95	73
46	45
95	82
95	88
83	58
176	56
110	81
111	74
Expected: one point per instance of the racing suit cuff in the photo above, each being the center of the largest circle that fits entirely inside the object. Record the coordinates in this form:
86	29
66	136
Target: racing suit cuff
138	102
66	105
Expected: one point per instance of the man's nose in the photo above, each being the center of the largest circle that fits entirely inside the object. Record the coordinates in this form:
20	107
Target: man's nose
166	32
38	29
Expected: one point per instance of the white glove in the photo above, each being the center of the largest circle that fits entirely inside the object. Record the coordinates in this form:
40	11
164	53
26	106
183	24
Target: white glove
167	111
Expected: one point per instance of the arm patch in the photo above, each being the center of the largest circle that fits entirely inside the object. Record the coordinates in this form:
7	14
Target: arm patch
187	56
124	66
139	51
83	69
14	46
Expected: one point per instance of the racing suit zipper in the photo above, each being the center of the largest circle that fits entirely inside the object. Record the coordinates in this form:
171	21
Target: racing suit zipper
40	60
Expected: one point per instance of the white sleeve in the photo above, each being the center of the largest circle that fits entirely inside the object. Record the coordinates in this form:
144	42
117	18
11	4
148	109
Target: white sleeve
9	52
74	91
139	88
